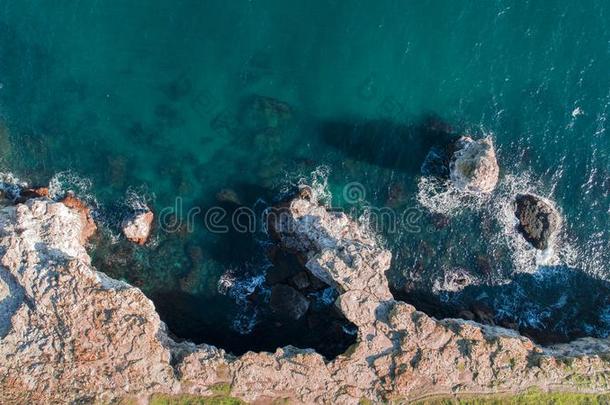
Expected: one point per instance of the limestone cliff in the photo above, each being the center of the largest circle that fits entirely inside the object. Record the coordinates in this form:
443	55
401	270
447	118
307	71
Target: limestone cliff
70	334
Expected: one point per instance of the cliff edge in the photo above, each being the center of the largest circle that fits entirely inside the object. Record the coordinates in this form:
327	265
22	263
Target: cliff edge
71	334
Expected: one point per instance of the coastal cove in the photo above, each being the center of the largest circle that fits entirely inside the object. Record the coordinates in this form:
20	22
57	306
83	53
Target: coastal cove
60	307
316	202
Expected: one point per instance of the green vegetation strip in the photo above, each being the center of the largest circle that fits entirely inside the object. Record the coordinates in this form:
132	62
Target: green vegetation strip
527	398
194	400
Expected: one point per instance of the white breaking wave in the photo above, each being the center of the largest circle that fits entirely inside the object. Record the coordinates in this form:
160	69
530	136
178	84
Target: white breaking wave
525	257
65	181
240	289
317	180
138	199
438	196
11	184
441	197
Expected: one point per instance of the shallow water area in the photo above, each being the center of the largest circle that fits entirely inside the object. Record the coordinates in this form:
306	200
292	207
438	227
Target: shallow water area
200	105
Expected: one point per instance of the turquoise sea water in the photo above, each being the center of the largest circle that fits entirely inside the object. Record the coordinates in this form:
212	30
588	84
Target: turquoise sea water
129	101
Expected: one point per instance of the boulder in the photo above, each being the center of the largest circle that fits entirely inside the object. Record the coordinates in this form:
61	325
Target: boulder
454	280
473	166
538	219
286	302
334	248
137	227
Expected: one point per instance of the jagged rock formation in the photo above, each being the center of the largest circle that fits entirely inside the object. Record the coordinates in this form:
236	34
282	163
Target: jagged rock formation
69	333
473	166
539	221
88	227
137	227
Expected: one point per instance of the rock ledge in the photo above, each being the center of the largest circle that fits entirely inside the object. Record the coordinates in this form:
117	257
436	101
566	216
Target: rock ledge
71	334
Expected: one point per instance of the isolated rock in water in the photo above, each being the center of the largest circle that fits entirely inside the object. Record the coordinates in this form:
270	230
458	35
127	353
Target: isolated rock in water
455	280
137	227
474	167
287	302
539	221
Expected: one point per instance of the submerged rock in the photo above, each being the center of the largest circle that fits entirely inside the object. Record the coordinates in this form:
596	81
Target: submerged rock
300	281
286	302
259	113
473	166
539	220
227	195
137	227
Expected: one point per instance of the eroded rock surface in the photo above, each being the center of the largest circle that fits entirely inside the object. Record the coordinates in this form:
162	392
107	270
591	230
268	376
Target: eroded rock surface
138	226
88	227
474	167
79	336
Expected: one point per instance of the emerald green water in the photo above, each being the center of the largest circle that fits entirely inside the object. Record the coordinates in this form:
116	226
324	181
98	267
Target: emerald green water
155	100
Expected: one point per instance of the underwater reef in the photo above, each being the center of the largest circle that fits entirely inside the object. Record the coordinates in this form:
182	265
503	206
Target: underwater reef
72	334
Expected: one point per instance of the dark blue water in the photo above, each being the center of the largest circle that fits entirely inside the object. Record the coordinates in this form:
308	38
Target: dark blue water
129	103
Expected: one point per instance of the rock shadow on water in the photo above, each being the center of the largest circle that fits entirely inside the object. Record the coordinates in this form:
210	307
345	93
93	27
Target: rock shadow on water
553	305
387	143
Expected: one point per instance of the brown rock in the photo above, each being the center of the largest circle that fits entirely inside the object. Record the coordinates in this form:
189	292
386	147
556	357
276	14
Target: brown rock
88	224
34	192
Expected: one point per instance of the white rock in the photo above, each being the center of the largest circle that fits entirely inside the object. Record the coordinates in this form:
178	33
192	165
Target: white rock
138	226
473	167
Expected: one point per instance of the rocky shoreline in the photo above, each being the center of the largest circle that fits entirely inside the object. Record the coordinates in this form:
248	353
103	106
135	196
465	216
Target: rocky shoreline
71	334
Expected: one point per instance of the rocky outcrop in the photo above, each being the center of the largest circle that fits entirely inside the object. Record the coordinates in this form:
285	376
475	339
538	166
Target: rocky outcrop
473	166
71	334
89	227
137	227
538	219
334	248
